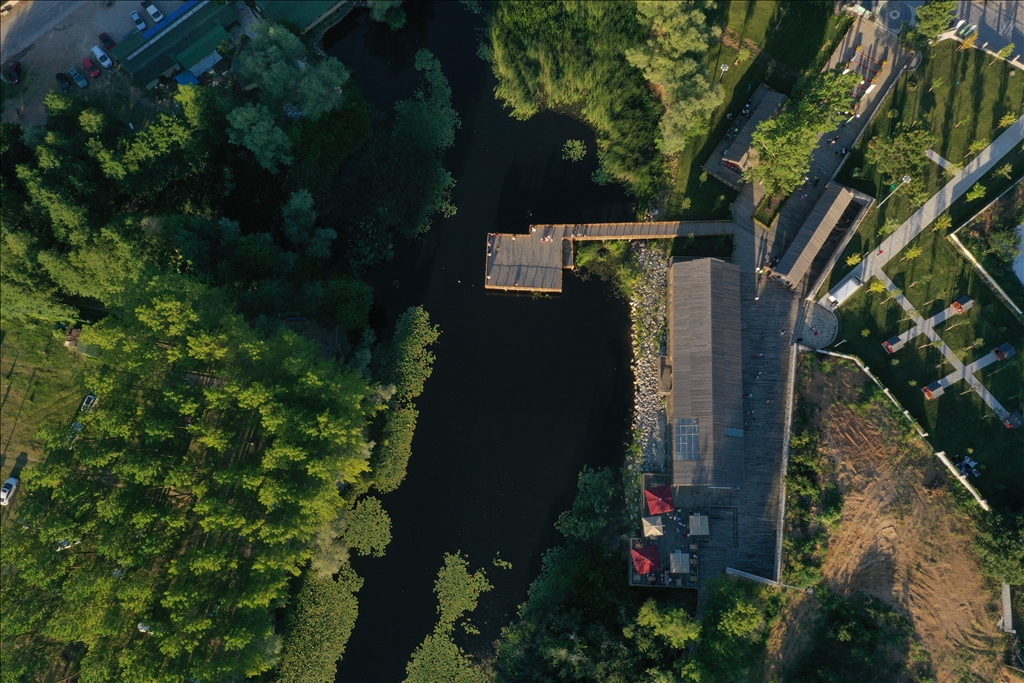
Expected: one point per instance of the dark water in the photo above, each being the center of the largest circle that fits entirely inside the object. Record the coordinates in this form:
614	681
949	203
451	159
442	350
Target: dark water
525	391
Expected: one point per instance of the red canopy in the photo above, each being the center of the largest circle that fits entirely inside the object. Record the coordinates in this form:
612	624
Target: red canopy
659	500
647	560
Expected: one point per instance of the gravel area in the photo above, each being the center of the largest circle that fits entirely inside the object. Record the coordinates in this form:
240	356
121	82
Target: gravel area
648	314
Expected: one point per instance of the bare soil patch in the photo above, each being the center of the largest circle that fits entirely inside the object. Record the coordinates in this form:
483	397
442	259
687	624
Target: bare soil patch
900	539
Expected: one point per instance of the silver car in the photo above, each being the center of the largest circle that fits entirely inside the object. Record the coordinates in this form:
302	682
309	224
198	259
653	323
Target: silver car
139	23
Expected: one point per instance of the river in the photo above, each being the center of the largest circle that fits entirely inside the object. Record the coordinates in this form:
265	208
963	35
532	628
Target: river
525	391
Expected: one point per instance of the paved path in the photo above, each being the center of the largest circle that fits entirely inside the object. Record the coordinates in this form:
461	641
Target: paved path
899	341
937	158
1018	263
960	371
942	200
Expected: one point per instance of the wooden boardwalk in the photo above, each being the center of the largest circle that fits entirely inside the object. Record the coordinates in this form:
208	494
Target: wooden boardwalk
533	261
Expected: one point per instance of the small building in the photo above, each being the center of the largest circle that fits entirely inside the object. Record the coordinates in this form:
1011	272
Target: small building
305	14
186	40
700	525
734	155
933	390
834	209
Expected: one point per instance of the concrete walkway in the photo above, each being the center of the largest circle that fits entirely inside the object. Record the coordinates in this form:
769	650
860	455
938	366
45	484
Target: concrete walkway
938	203
960	371
937	158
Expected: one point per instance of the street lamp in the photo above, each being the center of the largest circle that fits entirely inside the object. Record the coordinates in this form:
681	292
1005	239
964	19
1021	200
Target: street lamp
903	181
724	68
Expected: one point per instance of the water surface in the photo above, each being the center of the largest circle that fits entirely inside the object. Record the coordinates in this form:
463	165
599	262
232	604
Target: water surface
525	390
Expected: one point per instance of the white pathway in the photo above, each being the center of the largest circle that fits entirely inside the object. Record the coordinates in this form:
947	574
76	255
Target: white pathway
937	158
942	200
960	371
897	342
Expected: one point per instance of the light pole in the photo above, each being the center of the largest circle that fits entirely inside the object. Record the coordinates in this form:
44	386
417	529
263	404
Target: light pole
724	68
903	181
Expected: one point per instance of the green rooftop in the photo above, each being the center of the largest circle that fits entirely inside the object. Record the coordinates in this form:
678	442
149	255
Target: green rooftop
300	12
182	46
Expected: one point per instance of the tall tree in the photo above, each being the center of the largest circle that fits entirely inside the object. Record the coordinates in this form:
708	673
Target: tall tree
673	59
253	127
784	146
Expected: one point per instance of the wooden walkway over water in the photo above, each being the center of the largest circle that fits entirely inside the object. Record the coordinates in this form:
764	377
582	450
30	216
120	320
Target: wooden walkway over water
533	262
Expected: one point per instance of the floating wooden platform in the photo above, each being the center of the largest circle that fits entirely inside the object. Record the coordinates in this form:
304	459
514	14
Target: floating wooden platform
533	262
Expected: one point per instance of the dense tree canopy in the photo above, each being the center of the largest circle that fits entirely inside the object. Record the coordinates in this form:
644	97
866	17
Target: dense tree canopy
569	55
901	153
673	59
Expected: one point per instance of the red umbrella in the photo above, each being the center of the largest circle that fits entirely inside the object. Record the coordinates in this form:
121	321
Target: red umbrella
647	560
659	500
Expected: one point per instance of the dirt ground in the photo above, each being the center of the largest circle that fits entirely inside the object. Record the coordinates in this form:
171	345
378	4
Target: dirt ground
63	47
900	540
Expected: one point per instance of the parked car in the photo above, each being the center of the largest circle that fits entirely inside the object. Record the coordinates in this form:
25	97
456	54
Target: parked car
102	56
64	81
89	403
153	11
107	42
91	68
7	492
78	78
139	23
13	72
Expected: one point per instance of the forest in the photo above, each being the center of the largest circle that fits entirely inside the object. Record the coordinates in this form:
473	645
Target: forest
195	521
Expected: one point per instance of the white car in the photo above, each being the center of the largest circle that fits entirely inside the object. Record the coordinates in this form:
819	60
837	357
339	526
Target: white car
153	11
88	403
7	492
102	56
139	23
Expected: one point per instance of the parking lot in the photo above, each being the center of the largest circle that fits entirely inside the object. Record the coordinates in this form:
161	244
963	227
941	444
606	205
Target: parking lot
46	38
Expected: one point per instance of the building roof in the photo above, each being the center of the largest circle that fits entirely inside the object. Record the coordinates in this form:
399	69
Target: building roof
150	54
819	224
739	151
302	13
707	383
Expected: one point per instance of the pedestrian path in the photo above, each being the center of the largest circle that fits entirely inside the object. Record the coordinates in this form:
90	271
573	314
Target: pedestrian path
938	203
959	306
937	158
960	371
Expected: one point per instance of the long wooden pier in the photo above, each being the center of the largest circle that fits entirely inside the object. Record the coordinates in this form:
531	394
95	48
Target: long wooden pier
533	262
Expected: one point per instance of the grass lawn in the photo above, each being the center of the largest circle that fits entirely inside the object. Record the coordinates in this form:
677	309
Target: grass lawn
964	107
38	385
792	38
959	422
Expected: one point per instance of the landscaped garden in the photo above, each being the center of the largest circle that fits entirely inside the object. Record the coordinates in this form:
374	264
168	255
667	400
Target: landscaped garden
958	422
960	101
993	240
767	41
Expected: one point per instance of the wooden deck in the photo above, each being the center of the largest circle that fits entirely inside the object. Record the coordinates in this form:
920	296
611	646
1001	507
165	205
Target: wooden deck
533	261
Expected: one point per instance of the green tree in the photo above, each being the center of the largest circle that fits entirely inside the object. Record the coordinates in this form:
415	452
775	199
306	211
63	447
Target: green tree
389	12
900	154
391	458
976	147
942	223
92	121
253	127
1007	120
999	543
574	150
368	528
319	625
439	659
976	192
673	626
278	62
1005	244
589	513
409	363
912	253
784	146
1004	53
1004	171
854	259
877	286
934	16
672	59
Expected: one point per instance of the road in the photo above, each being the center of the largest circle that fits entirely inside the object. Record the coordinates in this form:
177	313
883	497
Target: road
29	21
